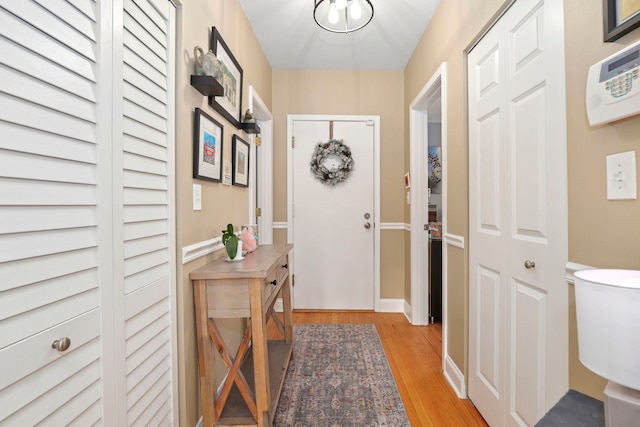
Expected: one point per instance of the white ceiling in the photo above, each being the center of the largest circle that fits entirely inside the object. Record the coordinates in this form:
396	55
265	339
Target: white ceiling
291	39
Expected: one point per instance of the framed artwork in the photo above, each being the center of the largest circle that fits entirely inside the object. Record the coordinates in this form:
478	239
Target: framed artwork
620	18
240	160
229	104
207	147
434	169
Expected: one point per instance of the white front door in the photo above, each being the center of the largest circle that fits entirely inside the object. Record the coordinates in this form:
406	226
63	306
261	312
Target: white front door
518	339
333	226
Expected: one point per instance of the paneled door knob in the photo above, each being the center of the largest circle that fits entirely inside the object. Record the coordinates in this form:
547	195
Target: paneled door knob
529	264
61	344
367	225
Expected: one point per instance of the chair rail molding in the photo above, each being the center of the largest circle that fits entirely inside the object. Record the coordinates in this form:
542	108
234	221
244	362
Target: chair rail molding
572	267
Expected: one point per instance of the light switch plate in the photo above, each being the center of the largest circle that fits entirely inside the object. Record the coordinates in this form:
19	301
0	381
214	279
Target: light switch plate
621	176
197	197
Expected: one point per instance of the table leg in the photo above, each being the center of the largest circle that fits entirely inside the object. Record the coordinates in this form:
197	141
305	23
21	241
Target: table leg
288	317
205	353
260	352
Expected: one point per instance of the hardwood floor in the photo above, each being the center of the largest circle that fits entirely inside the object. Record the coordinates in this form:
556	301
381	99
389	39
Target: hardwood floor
414	354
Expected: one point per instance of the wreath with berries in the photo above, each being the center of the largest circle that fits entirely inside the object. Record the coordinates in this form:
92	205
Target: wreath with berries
331	175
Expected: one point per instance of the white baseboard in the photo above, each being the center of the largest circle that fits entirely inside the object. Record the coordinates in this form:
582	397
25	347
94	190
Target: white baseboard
391	305
454	377
407	310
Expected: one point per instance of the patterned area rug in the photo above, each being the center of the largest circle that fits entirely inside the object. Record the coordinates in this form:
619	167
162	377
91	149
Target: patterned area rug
339	377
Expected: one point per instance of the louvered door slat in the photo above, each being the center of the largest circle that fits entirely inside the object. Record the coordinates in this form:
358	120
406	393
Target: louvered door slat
34	141
153	27
16	328
24	272
32	64
41	193
13	28
69	14
51	25
139	147
27	114
85	7
45	95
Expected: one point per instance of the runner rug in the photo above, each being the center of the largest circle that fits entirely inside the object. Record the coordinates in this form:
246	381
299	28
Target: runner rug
339	377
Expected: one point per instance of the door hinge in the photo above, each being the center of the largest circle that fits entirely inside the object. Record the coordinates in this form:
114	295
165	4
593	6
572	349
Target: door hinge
258	212
258	141
293	142
293	280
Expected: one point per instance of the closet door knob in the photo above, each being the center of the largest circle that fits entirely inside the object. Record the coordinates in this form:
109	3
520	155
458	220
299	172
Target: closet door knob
61	344
274	282
529	264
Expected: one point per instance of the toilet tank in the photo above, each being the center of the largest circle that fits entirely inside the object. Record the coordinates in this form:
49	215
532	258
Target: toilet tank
608	315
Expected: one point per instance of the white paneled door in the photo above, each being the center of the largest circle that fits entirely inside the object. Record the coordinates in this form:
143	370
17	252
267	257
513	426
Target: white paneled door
518	341
333	226
87	230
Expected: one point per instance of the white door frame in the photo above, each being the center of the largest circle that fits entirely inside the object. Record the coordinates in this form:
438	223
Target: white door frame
264	164
418	121
376	187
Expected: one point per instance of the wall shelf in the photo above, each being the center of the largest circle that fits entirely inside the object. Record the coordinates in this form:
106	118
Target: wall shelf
250	127
207	85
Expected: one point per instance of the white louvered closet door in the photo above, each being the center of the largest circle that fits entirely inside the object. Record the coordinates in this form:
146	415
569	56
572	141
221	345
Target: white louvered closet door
49	231
144	145
86	213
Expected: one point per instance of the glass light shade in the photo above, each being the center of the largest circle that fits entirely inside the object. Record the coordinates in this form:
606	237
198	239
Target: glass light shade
334	17
341	4
355	10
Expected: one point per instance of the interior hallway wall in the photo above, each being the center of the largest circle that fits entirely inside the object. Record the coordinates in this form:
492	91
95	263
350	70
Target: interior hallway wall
602	233
221	204
349	92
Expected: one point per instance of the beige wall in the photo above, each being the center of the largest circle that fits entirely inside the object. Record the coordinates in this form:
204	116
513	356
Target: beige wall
601	233
220	204
350	93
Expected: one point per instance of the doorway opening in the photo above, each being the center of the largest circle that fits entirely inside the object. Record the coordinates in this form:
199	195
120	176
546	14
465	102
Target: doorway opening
428	135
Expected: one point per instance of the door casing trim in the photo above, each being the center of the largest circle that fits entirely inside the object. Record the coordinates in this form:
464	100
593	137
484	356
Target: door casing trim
418	121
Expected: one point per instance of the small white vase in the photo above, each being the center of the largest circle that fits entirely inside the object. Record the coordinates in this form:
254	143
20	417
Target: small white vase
238	256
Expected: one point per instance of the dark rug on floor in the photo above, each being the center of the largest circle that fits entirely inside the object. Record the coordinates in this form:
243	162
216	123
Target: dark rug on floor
574	409
339	377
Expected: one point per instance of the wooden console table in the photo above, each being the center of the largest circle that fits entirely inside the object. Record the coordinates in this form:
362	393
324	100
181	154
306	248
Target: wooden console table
243	289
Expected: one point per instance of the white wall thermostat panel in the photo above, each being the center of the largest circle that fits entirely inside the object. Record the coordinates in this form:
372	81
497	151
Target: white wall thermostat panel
613	86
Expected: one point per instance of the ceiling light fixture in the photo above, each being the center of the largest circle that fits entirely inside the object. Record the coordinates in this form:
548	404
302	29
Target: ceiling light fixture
342	16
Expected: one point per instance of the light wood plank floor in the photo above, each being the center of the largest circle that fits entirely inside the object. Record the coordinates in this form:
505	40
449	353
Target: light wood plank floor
414	354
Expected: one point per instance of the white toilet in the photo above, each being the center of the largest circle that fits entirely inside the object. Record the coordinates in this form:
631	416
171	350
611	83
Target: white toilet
608	315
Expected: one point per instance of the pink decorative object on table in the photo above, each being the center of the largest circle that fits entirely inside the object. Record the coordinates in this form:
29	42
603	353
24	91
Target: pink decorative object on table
248	239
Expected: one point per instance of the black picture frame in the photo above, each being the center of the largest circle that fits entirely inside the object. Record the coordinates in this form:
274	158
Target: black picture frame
228	105
208	143
240	161
615	26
